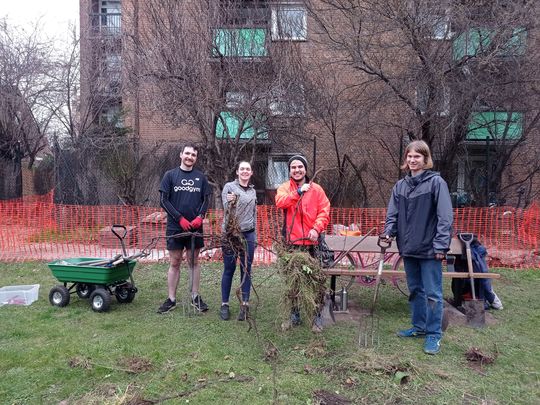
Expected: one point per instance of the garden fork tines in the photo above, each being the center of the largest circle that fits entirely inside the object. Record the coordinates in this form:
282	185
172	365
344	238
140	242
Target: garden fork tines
369	323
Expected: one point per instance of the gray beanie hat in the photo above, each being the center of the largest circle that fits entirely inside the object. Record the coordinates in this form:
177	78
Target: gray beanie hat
300	158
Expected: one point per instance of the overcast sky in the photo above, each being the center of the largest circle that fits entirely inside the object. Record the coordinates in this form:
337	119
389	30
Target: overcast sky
54	16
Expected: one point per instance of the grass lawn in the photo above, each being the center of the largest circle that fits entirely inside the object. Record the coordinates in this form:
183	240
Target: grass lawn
131	355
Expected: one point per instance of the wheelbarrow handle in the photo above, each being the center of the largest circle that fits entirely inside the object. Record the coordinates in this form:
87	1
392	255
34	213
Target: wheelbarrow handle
120	237
384	243
122	227
466	237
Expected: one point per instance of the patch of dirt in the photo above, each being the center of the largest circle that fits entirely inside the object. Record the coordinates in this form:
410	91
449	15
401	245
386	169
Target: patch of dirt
271	352
353	314
476	359
135	364
323	397
80	362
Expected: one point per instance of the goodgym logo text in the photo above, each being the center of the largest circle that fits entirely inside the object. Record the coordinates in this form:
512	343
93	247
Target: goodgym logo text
187	185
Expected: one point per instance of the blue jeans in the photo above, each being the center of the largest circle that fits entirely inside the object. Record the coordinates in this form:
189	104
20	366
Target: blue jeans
424	279
229	260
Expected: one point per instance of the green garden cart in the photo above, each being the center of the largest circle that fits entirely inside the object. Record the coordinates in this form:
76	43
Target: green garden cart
96	279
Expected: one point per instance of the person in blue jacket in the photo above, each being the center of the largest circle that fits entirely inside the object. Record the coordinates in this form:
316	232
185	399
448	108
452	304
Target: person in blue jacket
420	217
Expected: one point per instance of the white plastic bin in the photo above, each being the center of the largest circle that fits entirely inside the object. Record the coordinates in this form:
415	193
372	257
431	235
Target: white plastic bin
19	294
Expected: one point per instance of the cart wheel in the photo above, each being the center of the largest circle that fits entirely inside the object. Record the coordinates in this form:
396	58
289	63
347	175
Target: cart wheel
59	296
124	294
400	282
84	290
100	300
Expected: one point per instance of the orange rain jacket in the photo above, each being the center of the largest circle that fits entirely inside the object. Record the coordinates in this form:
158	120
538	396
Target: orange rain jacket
312	211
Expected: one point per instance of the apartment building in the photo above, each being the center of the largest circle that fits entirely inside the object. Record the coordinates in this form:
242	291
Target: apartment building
263	79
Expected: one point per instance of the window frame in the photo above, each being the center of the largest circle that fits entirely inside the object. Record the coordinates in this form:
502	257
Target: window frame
277	33
271	184
508	124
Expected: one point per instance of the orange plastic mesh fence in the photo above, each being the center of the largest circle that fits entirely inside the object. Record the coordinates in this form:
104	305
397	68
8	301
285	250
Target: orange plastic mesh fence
37	229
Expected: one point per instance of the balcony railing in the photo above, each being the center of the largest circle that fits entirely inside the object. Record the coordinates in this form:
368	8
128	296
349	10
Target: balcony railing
109	24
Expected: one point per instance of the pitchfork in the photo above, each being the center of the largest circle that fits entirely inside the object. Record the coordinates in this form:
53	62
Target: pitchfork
369	323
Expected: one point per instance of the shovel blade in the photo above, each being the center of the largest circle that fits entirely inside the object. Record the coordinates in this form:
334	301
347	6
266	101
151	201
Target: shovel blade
475	313
327	313
368	331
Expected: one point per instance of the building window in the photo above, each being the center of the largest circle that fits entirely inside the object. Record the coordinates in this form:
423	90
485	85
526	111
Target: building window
495	125
441	100
240	42
112	67
289	22
106	17
277	172
235	125
439	27
112	115
479	41
288	103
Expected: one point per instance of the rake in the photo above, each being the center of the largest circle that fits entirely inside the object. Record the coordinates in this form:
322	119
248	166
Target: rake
188	309
369	323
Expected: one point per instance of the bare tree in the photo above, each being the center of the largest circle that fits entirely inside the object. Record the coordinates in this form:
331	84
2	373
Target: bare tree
24	89
98	159
207	68
450	72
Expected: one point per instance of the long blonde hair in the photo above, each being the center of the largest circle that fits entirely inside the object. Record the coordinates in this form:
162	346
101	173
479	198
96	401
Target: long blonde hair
418	147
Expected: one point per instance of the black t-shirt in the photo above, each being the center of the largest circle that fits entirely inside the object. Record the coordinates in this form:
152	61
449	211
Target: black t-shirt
187	192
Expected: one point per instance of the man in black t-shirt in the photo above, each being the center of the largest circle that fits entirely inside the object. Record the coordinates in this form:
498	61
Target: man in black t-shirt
185	195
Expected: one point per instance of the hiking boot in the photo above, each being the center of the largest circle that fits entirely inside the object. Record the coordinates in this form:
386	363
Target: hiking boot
432	345
243	314
295	318
497	303
167	306
412	332
199	304
224	312
317	326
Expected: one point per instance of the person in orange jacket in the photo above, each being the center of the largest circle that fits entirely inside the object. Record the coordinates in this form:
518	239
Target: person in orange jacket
307	214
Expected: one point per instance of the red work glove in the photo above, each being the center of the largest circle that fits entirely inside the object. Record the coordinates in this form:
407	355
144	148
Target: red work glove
184	224
196	223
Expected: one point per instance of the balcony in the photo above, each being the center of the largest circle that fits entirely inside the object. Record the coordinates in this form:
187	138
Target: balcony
485	41
246	43
242	126
106	24
495	126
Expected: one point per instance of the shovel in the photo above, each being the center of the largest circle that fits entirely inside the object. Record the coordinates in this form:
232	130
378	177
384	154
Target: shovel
474	309
369	323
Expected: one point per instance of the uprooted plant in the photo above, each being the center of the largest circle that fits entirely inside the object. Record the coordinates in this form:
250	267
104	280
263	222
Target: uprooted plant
303	282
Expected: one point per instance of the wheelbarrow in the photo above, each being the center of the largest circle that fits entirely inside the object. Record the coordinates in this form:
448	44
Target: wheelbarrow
96	279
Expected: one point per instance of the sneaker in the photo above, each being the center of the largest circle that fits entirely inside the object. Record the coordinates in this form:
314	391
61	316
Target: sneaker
167	306
497	303
412	332
199	304
243	314
432	344
224	312
295	318
317	326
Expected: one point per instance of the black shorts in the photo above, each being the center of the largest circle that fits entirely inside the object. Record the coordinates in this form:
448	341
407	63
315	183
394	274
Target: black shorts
183	242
